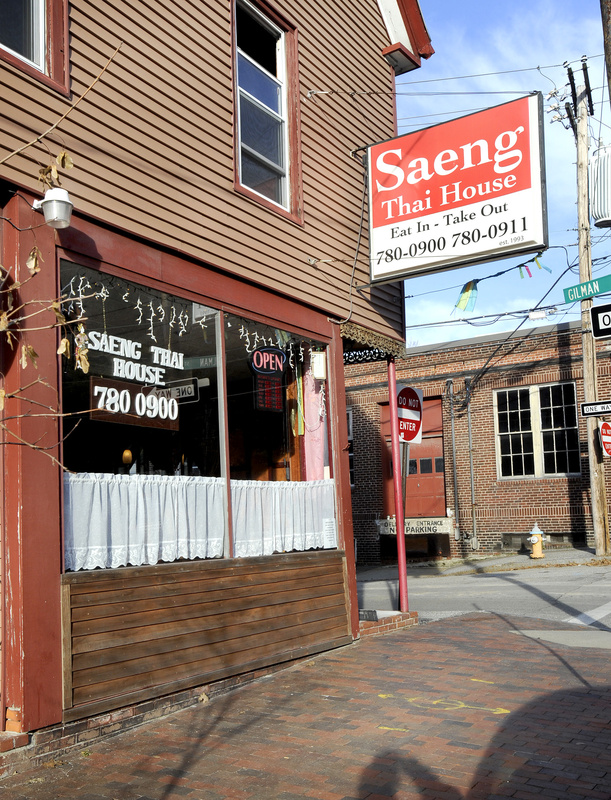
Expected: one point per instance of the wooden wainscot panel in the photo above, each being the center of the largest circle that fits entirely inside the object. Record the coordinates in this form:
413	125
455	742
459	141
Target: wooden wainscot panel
136	633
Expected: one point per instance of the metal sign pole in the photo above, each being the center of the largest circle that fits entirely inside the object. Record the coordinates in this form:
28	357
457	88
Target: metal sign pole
396	470
405	473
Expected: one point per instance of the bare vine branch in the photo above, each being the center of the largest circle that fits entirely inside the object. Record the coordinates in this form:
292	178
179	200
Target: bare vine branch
49	130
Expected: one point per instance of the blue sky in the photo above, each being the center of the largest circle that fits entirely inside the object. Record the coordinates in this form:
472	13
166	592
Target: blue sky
510	48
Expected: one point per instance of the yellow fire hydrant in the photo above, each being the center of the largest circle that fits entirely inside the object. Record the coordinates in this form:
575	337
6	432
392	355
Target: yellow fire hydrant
536	539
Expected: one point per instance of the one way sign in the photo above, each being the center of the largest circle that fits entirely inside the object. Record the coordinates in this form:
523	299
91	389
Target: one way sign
601	321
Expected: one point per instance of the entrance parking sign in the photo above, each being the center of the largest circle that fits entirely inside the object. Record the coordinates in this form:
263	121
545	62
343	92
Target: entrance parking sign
409	410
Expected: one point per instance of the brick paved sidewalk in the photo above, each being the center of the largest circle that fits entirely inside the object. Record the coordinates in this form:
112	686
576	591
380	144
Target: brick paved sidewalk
451	710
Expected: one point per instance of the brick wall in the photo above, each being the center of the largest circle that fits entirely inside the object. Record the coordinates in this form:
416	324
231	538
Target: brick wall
560	505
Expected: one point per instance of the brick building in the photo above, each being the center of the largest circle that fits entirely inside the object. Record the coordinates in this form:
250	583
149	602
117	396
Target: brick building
528	459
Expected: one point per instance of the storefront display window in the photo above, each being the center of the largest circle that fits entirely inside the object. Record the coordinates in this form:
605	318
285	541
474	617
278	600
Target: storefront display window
144	430
282	496
141	391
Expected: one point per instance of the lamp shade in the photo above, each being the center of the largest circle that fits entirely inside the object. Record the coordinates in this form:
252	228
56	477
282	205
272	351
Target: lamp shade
57	208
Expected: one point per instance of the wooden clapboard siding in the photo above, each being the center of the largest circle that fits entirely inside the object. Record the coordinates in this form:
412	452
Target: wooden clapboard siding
153	142
140	632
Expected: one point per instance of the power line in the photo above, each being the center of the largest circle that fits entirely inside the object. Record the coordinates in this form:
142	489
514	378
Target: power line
502	72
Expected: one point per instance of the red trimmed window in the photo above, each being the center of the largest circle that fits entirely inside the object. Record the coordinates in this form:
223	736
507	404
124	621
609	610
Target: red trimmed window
266	116
33	38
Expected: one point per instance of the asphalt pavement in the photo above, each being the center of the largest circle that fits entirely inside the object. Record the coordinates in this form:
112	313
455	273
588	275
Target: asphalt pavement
480	707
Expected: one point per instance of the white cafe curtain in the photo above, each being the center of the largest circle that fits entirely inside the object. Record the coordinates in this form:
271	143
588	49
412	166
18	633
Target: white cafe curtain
116	520
280	516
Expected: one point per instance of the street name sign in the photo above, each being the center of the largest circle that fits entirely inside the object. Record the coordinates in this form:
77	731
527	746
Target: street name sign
595	409
601	321
581	291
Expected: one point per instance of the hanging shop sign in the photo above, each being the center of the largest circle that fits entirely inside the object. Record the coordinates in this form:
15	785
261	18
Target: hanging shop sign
466	191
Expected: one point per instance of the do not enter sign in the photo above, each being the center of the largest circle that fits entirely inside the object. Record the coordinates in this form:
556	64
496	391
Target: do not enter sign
605	438
409	409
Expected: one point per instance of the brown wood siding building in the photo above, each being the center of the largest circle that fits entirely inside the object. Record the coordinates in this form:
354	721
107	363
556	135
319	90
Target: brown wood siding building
218	192
153	147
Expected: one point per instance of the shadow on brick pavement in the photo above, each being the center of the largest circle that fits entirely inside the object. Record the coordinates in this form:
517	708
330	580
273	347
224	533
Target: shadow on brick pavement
456	710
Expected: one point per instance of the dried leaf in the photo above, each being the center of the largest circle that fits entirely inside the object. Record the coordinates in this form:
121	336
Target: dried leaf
44	176
82	361
28	354
64	160
49	176
57	309
33	259
4	322
64	348
2	396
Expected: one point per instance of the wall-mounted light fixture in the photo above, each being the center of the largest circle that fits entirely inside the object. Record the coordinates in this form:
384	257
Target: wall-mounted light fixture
56	206
400	58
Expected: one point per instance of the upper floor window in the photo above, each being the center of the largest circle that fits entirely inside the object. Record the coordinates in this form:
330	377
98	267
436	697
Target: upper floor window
265	51
22	29
537	431
32	37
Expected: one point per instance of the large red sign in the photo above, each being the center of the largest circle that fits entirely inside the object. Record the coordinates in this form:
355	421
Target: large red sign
468	190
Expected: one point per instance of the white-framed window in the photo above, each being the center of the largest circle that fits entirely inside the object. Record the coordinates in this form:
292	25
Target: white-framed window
349	419
23	30
537	431
262	109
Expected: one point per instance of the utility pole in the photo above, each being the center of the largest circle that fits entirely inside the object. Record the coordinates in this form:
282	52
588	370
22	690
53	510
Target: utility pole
598	500
605	10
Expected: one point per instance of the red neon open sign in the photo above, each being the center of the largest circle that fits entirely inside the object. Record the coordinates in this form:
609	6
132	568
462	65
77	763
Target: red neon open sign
268	360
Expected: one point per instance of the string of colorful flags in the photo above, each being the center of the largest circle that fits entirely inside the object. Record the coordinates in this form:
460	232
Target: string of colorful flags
468	293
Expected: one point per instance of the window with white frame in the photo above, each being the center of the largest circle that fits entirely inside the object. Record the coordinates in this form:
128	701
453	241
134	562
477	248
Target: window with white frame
537	431
262	116
22	30
33	39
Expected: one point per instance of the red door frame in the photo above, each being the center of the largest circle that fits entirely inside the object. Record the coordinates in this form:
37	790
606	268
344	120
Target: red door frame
31	646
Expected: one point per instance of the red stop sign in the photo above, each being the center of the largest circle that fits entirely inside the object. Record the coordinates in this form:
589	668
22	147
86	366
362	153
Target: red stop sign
409	410
605	437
